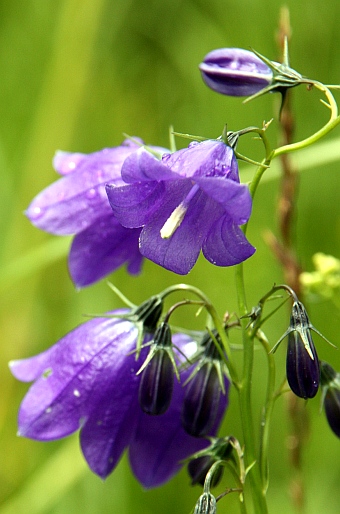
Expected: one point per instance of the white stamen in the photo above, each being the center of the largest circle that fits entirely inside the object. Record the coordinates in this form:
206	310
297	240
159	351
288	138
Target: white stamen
174	221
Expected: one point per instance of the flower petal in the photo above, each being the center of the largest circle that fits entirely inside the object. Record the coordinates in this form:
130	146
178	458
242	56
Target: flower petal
143	166
226	244
75	201
71	375
179	252
209	158
102	248
134	204
232	196
67	162
111	425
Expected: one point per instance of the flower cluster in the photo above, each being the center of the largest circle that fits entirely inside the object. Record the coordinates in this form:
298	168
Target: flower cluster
164	209
89	380
124	379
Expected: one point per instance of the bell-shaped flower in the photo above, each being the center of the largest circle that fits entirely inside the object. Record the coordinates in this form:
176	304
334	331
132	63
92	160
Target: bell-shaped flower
187	201
235	72
89	381
77	205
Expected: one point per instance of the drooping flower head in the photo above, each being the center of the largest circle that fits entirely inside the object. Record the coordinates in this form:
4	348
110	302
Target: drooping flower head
235	72
89	381
302	363
77	205
187	201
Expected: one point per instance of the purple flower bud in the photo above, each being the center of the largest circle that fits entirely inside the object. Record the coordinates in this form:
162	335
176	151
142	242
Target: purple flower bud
332	409
302	364
219	450
156	385
235	72
201	401
330	381
303	373
198	469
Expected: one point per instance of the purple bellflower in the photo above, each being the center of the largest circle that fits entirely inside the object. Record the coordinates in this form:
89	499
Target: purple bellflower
77	205
187	201
235	72
89	381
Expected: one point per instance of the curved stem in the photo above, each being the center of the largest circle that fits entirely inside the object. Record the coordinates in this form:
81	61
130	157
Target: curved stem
330	125
216	320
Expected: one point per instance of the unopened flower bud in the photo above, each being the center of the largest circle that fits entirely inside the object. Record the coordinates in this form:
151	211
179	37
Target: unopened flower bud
201	401
330	381
303	373
302	364
235	72
203	393
198	469
206	504
156	385
219	450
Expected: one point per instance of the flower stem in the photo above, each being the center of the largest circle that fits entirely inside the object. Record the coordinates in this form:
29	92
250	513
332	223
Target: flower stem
216	320
266	416
330	125
258	493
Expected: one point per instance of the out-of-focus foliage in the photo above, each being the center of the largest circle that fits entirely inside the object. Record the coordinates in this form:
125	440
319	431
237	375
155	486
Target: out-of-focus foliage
76	75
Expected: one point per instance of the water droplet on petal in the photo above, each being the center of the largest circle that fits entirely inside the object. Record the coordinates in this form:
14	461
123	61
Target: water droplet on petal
36	213
76	393
48	410
91	193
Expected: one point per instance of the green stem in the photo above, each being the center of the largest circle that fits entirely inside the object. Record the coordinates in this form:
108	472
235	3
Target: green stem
330	125
258	495
217	323
258	474
266	416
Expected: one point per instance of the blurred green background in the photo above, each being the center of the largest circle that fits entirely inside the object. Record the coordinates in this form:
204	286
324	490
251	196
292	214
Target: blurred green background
76	75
